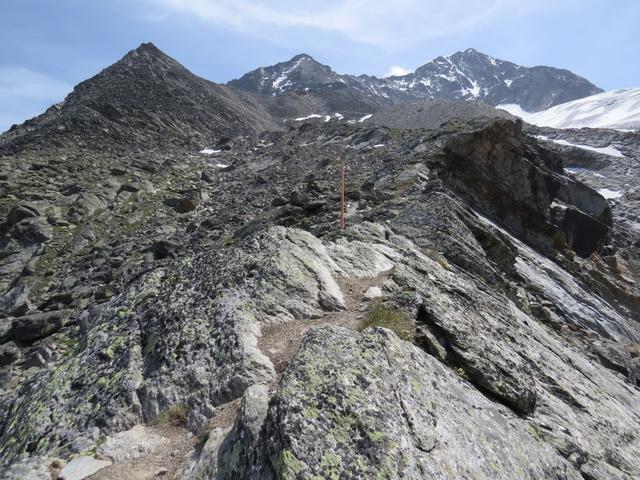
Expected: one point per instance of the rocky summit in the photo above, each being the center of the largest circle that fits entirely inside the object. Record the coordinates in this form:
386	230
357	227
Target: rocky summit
178	299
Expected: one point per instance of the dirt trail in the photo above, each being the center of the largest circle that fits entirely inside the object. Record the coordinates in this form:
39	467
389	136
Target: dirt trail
280	342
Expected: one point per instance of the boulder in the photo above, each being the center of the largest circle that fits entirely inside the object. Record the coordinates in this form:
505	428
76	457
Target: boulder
82	467
372	406
38	325
9	353
20	212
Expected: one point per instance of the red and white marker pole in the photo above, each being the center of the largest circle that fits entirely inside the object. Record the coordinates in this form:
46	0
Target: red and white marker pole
343	174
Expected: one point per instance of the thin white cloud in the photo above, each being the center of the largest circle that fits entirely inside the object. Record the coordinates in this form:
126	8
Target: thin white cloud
384	23
25	93
397	71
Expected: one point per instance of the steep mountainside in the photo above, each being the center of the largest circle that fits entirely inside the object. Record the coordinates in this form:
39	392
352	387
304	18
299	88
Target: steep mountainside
466	75
145	97
185	312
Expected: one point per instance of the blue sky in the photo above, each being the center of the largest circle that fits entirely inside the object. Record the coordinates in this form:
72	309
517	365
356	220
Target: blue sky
50	45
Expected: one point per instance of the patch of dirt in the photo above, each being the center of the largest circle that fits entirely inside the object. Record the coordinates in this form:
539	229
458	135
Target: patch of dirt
280	342
168	461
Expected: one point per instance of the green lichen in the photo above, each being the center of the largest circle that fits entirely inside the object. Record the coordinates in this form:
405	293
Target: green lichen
310	412
462	373
123	313
289	465
331	465
376	436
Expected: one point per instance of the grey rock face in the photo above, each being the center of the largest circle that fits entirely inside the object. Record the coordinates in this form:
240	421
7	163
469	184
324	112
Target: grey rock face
364	406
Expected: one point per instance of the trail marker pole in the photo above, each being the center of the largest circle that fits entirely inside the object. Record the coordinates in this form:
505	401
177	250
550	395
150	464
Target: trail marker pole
343	174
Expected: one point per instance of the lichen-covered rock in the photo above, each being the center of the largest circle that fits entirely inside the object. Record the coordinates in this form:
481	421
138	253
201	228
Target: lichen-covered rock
372	406
185	335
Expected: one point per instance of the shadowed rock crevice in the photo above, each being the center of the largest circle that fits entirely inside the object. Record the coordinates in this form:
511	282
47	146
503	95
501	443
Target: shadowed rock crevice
517	392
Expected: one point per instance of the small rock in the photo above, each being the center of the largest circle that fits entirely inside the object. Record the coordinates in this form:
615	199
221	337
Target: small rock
137	442
104	293
297	199
32	230
278	201
20	212
9	353
5	330
373	292
314	206
163	249
118	171
161	472
82	467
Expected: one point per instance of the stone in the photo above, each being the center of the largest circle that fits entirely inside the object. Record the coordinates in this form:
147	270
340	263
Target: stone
82	467
38	325
372	293
279	201
5	330
9	353
32	230
136	442
31	468
162	249
20	212
297	198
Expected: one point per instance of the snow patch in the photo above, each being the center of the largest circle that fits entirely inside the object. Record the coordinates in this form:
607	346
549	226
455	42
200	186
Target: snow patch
514	109
209	151
577	170
616	109
308	117
610	194
366	117
608	150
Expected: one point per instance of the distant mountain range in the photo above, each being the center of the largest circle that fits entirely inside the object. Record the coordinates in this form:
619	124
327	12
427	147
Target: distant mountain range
465	75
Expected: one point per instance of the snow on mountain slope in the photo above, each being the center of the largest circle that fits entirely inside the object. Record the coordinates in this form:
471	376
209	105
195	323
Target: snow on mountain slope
466	75
618	109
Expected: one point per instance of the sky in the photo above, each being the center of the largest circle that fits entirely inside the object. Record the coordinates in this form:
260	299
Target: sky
48	46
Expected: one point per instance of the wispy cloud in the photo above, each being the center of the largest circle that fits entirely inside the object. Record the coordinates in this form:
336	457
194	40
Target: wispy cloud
397	71
382	23
25	93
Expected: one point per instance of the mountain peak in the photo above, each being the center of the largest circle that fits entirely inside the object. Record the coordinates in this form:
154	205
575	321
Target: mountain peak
300	73
148	47
144	54
303	56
